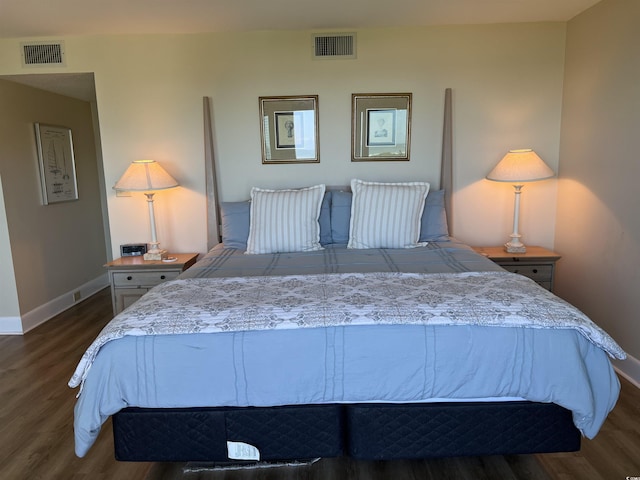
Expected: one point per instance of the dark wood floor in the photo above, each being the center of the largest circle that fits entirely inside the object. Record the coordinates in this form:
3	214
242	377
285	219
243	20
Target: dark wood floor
36	427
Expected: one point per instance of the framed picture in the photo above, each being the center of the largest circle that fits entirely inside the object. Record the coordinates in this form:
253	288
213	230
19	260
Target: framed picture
380	126
289	129
57	164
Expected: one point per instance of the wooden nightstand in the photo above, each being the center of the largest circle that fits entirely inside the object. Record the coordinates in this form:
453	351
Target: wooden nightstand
538	263
132	277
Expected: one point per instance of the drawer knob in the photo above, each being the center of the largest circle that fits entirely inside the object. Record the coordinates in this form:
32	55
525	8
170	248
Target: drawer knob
162	277
516	271
129	277
535	270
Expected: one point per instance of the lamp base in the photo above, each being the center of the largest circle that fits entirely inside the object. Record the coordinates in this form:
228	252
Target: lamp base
515	245
155	255
514	248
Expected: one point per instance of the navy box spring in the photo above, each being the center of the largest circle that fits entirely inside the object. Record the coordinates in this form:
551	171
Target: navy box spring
201	434
413	431
362	431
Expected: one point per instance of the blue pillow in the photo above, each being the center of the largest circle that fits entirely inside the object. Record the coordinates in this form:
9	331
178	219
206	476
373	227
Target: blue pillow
340	217
325	219
434	219
433	226
235	222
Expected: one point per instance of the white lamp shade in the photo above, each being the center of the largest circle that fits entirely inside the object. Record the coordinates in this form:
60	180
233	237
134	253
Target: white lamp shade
520	166
145	176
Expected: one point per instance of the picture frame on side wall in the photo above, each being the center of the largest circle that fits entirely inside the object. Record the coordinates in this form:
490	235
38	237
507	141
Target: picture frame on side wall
289	129
380	127
57	163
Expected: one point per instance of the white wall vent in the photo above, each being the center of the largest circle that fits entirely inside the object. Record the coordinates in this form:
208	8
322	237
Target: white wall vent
335	45
49	54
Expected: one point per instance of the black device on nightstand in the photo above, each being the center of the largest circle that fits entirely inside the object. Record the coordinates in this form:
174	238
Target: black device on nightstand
133	249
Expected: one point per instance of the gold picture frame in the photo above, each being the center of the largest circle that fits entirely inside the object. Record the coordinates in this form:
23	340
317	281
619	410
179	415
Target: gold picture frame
289	129
380	127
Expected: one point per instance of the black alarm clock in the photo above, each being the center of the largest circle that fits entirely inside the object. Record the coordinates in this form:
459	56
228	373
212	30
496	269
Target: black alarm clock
133	249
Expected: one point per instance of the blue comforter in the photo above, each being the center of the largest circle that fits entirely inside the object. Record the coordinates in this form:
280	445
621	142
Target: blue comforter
363	363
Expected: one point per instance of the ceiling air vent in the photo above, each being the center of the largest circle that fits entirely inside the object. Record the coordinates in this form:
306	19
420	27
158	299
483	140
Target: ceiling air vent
43	54
336	45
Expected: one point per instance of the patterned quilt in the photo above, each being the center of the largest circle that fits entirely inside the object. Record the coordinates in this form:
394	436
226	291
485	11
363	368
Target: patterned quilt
207	305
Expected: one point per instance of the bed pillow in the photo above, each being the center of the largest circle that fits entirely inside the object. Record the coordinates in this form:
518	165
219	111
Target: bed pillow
235	222
324	220
285	220
234	218
386	215
340	217
433	227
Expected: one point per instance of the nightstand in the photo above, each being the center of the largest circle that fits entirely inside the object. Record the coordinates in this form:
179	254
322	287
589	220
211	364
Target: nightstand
132	277
537	263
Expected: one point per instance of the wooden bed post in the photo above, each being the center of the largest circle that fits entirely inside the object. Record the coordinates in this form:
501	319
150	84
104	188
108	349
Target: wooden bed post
214	233
446	164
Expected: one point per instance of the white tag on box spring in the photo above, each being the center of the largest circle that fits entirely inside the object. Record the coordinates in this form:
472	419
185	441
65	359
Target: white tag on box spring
242	451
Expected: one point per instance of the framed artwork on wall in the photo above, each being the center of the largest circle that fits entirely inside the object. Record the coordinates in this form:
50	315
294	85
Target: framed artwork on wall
289	129
57	163
380	126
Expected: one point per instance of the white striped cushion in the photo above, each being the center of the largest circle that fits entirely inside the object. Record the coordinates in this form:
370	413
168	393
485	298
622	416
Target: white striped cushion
386	215
285	220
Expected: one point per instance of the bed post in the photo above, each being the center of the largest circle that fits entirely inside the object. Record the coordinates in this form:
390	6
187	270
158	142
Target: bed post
214	234
446	163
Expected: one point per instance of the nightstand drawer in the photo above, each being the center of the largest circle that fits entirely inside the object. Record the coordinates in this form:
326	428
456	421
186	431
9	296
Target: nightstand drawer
539	273
131	277
537	263
142	278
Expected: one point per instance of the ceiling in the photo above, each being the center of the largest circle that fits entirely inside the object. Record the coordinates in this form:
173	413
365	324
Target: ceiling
37	18
74	85
58	18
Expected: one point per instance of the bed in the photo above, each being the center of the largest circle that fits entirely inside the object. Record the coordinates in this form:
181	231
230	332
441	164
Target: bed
345	344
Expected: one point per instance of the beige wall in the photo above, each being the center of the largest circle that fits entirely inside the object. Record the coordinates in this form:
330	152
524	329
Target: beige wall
598	224
506	79
59	247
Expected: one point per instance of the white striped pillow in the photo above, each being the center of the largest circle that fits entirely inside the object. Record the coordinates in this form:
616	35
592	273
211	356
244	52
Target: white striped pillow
386	215
285	220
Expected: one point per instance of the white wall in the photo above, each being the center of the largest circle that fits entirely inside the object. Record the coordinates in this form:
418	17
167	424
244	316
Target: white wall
9	308
507	88
598	225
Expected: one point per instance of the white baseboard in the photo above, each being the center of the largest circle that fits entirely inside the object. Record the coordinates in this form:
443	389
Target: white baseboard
39	315
629	369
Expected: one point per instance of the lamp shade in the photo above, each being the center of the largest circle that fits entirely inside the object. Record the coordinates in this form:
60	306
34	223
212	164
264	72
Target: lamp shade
520	166
145	176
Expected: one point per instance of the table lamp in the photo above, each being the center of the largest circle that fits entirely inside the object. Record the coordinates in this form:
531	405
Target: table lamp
518	167
147	176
